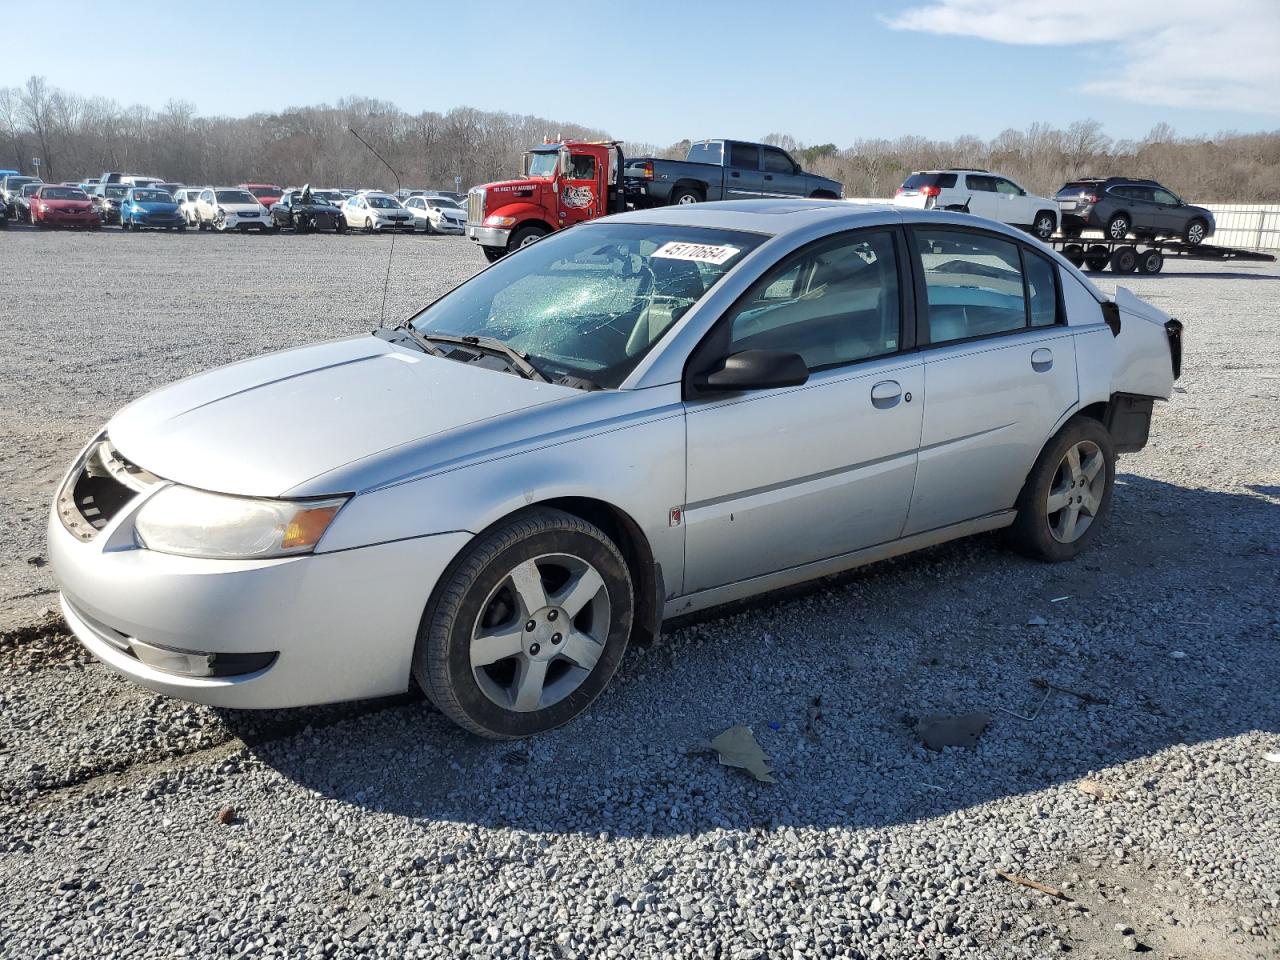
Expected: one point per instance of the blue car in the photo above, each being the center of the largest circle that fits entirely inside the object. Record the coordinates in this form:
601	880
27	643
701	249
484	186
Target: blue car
148	207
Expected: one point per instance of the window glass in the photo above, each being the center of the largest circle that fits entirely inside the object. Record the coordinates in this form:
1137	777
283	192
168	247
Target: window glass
980	182
946	180
833	304
745	156
1008	186
1042	289
706	152
973	282
1164	196
775	161
582	167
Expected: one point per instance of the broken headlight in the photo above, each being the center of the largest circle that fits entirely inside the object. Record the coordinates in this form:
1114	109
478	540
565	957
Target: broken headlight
193	523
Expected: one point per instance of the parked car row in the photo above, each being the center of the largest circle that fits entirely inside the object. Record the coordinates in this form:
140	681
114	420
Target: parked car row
1119	207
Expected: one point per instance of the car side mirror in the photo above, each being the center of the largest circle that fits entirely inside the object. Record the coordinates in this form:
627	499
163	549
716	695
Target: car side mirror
753	370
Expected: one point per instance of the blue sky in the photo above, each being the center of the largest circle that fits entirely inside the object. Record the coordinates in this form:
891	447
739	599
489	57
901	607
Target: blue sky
657	71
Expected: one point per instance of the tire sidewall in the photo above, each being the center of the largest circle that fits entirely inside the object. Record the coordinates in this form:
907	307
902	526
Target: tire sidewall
447	634
1031	529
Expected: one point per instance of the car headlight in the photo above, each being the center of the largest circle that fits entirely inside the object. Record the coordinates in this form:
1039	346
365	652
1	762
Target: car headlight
496	221
193	523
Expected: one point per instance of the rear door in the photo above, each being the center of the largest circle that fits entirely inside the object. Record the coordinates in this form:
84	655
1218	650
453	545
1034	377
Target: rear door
999	371
742	176
980	190
781	175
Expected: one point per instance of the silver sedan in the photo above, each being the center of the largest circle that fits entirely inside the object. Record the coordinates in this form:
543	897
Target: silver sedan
643	416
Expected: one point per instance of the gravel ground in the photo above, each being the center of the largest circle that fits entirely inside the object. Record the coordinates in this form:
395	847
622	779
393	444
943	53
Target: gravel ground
378	829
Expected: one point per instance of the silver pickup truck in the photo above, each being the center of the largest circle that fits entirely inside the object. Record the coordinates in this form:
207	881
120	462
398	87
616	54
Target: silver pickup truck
722	170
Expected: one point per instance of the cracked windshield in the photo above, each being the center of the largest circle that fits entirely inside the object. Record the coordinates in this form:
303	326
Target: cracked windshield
590	302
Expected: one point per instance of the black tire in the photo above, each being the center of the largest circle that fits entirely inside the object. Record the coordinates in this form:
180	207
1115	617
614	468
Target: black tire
1118	227
182	228
684	195
301	224
1097	257
469	589
1150	261
493	254
1195	233
1045	225
124	225
525	236
1074	254
339	224
368	224
1032	532
1124	260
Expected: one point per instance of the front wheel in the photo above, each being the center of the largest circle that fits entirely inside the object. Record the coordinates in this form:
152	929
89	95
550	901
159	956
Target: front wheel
525	236
527	626
339	225
124	224
1196	231
493	254
1067	493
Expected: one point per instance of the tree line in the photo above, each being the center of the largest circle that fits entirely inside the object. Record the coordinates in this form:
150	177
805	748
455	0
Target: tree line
79	136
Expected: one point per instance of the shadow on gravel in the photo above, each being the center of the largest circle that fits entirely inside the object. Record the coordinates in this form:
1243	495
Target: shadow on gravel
1164	633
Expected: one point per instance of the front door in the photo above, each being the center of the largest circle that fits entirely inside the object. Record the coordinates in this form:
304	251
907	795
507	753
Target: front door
780	175
1169	215
999	373
581	198
778	478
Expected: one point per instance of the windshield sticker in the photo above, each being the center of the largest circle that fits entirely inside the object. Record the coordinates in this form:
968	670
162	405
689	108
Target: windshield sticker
700	252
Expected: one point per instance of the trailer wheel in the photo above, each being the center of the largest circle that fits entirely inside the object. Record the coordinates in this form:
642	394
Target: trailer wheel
1150	261
1097	257
684	195
1196	231
1074	254
1124	260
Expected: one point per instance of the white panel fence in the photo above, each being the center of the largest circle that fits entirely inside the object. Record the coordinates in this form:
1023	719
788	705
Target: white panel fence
1247	226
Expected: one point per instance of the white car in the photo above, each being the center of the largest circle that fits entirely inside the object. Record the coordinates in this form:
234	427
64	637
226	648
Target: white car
982	193
437	214
230	208
186	199
374	212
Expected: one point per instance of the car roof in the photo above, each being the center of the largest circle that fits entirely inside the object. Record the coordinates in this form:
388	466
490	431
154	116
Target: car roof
772	216
954	170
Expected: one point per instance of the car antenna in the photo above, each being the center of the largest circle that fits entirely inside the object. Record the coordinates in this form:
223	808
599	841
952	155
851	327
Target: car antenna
382	317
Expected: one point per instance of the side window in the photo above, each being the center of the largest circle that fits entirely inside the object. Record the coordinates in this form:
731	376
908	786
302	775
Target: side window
946	180
980	182
973	283
1042	289
744	156
207	196
1165	197
775	161
833	303
582	167
1008	186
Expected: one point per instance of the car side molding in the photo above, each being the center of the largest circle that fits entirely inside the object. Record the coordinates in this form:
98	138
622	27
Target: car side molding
729	592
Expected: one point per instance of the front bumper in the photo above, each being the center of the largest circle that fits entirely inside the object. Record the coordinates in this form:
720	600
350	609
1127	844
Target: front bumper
383	225
57	219
234	222
444	226
341	625
487	236
165	222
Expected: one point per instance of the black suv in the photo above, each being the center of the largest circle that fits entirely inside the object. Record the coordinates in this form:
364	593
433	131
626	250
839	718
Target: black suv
1120	206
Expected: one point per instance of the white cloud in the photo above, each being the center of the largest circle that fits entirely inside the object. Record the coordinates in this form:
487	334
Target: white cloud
1222	55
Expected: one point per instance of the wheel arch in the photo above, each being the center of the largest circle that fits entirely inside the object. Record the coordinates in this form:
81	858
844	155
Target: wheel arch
687	183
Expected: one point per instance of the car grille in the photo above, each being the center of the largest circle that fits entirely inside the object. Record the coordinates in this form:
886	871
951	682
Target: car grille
99	487
475	205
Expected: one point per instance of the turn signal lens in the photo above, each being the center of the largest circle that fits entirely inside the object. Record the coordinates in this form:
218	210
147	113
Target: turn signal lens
307	527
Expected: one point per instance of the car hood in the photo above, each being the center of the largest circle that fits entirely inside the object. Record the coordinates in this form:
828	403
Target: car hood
262	427
74	205
238	208
156	206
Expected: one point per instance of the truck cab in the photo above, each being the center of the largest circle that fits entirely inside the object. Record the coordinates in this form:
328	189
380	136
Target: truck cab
565	182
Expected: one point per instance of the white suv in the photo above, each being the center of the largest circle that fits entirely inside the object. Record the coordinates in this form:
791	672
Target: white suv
982	193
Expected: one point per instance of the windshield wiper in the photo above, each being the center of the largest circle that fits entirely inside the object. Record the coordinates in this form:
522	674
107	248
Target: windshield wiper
519	361
421	342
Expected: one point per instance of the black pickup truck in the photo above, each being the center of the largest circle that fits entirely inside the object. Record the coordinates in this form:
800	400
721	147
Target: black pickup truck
722	170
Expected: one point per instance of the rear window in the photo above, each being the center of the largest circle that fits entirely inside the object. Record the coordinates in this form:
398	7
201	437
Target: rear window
706	153
1075	189
918	180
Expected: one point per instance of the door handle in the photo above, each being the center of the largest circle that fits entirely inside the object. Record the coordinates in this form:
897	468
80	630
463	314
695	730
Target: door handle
768	176
885	394
1041	359
734	173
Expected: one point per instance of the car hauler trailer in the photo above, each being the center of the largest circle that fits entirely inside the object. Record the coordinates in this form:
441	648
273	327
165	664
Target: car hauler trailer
1144	256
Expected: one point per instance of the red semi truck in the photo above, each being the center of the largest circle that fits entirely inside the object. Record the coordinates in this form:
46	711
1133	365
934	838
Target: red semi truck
564	183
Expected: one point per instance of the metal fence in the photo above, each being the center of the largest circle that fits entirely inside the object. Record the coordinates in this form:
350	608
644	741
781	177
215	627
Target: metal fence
1248	226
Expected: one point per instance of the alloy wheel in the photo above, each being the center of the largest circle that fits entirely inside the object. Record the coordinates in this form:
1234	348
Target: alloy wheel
1075	496
540	632
1195	233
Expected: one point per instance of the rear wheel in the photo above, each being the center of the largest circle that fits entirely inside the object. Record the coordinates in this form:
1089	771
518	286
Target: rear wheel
1150	261
526	627
684	195
1196	232
1118	227
1044	225
1124	260
525	236
1067	493
1097	257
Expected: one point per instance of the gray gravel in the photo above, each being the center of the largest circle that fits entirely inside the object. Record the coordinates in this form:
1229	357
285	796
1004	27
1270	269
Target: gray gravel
377	829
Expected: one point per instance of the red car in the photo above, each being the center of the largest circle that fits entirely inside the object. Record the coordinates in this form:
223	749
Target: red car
266	193
55	205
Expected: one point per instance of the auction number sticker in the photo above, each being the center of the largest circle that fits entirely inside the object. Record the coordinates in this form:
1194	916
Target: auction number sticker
701	252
